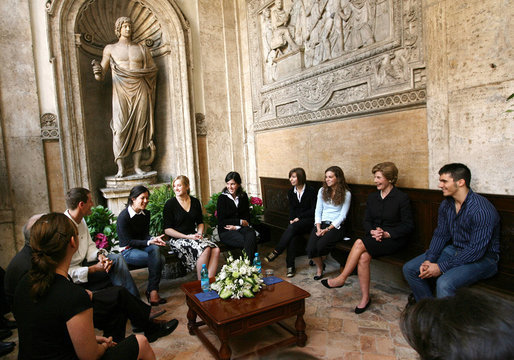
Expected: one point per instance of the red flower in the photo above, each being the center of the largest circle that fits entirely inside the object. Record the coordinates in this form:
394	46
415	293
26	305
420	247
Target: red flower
101	241
254	200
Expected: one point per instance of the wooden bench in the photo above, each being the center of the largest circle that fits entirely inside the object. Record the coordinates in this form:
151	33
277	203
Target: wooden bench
425	204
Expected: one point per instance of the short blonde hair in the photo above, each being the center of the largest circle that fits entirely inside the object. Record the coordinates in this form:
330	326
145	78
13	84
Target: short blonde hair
184	180
388	169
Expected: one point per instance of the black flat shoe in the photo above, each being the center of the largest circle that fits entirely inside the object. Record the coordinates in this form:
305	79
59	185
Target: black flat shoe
154	303
319	277
159	329
7	324
359	310
272	256
325	284
6	347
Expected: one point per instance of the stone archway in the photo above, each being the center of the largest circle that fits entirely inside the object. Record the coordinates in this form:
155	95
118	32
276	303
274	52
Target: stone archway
78	32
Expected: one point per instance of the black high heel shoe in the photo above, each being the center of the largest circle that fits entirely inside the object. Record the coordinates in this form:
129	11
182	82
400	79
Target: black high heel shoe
319	277
154	303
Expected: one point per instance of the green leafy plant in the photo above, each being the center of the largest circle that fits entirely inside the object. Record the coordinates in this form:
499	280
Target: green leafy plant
158	198
102	227
209	217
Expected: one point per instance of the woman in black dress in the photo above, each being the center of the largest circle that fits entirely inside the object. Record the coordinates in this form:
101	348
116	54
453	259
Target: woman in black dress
387	224
183	222
302	203
233	213
55	316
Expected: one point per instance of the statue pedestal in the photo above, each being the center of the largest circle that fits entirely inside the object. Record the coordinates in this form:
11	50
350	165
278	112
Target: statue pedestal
118	189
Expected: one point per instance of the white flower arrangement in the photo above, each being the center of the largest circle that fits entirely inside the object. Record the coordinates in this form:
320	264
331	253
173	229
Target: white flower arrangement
237	279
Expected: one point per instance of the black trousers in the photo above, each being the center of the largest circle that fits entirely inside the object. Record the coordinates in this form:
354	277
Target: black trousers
287	240
321	245
113	306
244	238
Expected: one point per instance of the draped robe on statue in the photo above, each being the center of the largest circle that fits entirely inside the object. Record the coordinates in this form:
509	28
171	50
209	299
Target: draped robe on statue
133	96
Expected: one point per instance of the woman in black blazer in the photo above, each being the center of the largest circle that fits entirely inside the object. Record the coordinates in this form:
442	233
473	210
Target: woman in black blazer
388	223
233	213
302	203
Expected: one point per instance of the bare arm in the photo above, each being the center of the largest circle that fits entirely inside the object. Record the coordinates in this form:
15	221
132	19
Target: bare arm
82	334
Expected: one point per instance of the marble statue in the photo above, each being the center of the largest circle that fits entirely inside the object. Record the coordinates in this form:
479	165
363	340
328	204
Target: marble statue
133	95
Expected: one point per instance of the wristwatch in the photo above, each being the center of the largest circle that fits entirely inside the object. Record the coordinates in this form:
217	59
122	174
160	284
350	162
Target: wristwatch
102	252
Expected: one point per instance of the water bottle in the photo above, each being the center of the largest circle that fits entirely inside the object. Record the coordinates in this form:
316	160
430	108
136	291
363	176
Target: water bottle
204	278
257	262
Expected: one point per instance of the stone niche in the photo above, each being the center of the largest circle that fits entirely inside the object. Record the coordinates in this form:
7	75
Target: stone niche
79	32
323	60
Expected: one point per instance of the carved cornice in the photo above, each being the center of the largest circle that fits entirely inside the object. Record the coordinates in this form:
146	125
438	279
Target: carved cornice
384	103
49	127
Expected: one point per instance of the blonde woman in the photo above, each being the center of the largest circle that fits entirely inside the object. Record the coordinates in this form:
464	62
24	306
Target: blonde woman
183	222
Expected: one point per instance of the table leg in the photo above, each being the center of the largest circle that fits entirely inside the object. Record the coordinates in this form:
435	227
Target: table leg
191	323
225	351
301	338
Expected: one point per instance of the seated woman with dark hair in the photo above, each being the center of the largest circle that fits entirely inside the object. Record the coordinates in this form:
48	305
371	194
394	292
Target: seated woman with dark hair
468	326
332	207
139	247
183	222
302	203
388	224
233	213
55	316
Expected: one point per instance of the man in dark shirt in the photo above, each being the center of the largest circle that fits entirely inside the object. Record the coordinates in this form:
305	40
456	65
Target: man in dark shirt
112	306
465	245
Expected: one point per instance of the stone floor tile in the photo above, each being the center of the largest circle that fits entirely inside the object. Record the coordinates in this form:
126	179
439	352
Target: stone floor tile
368	344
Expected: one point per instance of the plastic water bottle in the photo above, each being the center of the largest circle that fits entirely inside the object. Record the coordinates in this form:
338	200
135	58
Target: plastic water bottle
204	278
257	262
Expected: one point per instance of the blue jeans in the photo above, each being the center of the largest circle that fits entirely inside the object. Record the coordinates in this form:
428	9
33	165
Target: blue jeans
150	257
448	283
120	274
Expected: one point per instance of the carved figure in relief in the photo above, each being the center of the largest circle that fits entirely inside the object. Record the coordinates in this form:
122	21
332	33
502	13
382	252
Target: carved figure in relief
281	36
297	23
270	68
133	94
358	24
391	68
315	24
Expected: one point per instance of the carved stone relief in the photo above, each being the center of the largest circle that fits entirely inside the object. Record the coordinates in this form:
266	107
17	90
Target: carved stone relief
49	127
319	54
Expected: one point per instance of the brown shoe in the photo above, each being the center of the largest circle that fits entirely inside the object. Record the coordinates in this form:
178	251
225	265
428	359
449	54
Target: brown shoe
272	256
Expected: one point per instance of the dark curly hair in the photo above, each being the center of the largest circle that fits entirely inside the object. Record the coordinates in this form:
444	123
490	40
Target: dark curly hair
337	194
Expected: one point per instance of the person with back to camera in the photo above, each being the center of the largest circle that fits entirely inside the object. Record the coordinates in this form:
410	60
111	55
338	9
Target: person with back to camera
54	315
332	206
302	203
468	326
140	248
233	212
387	224
183	222
465	246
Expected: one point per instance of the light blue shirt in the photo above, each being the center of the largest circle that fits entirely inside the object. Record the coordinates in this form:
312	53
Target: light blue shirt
326	211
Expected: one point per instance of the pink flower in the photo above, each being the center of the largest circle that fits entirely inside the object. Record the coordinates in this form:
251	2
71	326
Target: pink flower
254	200
216	213
101	241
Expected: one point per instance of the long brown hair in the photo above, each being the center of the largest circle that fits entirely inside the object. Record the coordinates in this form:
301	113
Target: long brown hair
49	238
338	195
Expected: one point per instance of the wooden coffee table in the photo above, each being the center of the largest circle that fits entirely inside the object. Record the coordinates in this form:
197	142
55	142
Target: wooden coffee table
234	317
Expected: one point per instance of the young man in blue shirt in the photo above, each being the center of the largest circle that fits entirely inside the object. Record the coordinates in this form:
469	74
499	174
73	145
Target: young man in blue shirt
465	245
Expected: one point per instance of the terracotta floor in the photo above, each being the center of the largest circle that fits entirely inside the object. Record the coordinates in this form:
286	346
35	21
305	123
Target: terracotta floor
334	331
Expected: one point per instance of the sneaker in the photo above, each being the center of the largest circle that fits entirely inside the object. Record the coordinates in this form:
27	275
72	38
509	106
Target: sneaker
291	271
271	256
